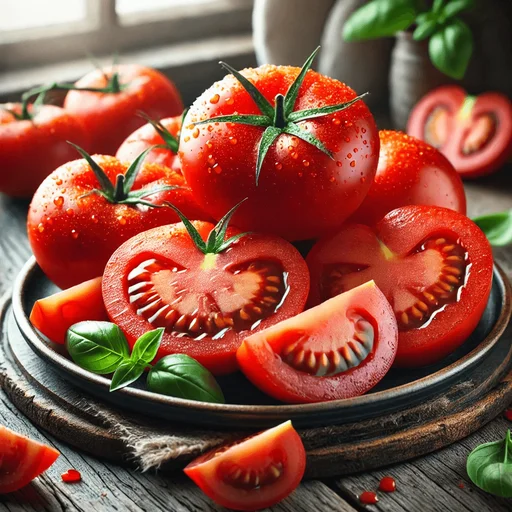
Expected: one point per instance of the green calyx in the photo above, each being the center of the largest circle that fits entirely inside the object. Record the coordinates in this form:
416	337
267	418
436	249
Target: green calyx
170	141
121	192
280	117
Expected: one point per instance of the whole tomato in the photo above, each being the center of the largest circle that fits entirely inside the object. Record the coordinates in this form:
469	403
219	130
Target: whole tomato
78	217
33	144
299	145
110	116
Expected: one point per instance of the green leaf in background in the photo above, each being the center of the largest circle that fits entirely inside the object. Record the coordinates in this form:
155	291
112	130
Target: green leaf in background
497	227
426	29
450	48
455	7
147	345
380	18
183	377
126	373
99	347
490	467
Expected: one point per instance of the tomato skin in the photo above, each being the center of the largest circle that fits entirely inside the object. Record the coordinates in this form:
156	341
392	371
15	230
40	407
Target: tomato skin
72	236
31	149
460	123
402	231
253	453
110	117
410	172
21	460
302	193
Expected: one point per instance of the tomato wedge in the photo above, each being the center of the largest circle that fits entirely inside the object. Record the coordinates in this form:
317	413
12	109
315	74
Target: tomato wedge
54	315
22	460
473	132
434	266
208	303
339	349
254	473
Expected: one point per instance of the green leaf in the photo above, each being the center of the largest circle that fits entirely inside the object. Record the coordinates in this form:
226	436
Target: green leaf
267	139
251	120
454	7
147	345
293	129
450	48
489	466
222	226
99	347
380	18
303	115
132	171
437	5
181	376
497	227
424	30
126	373
232	240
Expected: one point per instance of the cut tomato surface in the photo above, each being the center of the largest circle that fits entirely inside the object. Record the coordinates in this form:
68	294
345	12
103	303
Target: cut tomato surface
253	473
207	303
474	132
434	265
54	315
339	349
22	459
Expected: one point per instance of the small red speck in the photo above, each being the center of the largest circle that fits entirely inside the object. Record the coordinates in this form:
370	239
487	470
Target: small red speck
508	414
387	484
71	476
368	498
461	485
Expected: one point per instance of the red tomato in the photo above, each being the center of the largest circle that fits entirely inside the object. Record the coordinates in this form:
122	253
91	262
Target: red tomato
111	117
474	132
254	473
145	137
22	460
73	235
54	315
339	349
410	172
302	193
207	303
434	265
31	149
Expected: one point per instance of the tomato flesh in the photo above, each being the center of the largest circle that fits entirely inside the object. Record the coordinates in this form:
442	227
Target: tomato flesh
339	349
254	473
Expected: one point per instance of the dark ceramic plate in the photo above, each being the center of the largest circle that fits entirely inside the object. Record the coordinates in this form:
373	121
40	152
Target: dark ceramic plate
246	406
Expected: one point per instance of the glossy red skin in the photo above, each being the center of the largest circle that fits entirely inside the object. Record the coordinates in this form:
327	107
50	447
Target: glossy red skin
110	117
410	171
401	231
21	460
302	193
174	243
259	359
72	237
480	163
253	453
30	150
145	137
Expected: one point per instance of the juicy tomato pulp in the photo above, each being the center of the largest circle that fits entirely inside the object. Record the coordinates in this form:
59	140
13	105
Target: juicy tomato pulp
434	266
254	473
410	172
339	349
54	315
22	460
207	303
475	133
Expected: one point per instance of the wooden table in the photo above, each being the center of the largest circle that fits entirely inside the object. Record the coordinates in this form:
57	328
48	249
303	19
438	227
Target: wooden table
437	482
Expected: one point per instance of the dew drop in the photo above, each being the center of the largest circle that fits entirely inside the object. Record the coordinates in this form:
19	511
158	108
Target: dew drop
336	121
211	160
121	220
189	126
40	227
232	140
363	179
58	201
339	163
215	99
187	138
195	133
70	211
209	145
347	139
305	163
279	166
210	128
363	130
353	163
299	174
74	233
58	182
94	219
355	150
217	168
349	155
294	155
365	142
332	179
230	101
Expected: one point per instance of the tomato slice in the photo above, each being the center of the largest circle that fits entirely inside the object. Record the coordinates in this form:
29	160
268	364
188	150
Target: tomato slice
434	265
254	473
22	460
54	315
339	349
207	303
474	132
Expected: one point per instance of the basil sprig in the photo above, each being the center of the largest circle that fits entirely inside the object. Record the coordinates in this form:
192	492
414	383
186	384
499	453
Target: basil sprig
490	467
497	227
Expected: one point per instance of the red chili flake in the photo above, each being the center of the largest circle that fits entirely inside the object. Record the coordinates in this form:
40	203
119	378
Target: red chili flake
461	485
387	484
508	414
71	476
368	498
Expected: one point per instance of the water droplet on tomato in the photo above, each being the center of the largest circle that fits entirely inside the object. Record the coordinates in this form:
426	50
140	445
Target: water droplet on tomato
349	155
230	101
74	233
279	166
299	174
365	141
215	99
210	128
339	163
355	150
217	168
195	133
40	227
233	140
332	179
305	163
294	155
187	138
94	219
363	130
70	211
336	121
58	201
121	220
211	160
353	163
363	179
58	182
347	139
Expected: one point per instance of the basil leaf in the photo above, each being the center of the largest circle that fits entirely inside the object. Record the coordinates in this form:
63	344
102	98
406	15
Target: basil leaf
147	345
126	373
456	6
497	227
490	467
181	376
450	48
424	30
380	18
99	347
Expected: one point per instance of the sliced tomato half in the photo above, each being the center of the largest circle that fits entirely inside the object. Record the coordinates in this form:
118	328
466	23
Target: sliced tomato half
254	473
339	349
22	460
434	266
